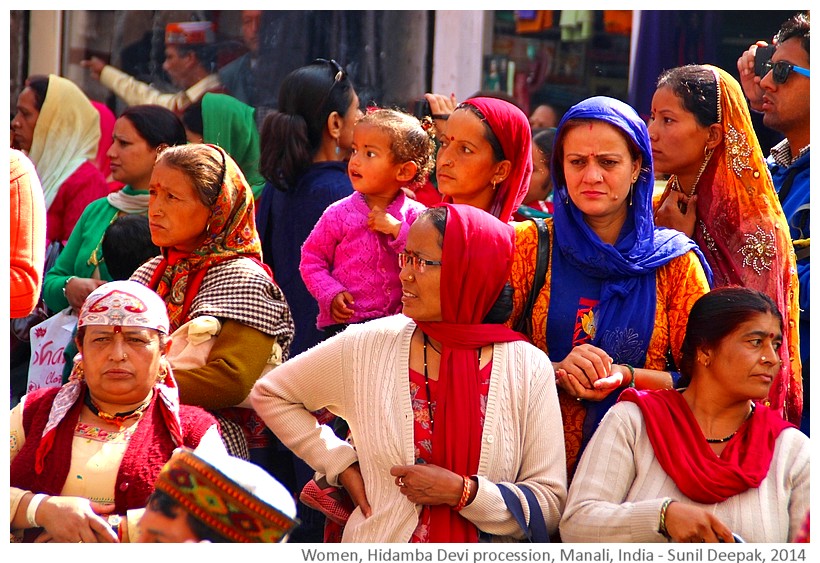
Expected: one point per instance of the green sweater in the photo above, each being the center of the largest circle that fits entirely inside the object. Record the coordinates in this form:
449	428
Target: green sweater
75	258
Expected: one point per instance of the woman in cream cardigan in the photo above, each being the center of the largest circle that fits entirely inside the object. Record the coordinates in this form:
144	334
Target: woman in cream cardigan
444	406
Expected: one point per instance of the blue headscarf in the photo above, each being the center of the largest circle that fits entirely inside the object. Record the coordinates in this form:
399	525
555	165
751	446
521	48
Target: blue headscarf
625	314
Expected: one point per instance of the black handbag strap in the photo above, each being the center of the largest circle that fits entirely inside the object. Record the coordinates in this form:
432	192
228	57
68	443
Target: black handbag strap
536	532
524	324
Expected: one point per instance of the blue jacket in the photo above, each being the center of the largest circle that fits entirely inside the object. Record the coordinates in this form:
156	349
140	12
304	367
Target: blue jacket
284	220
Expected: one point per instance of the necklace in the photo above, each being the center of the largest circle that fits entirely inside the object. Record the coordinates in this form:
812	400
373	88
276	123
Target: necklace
427	384
676	183
732	435
118	418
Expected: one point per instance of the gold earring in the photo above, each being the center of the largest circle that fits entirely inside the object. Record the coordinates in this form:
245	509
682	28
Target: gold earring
495	186
78	373
163	373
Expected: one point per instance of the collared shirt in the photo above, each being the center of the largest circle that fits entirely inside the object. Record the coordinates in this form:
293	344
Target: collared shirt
782	153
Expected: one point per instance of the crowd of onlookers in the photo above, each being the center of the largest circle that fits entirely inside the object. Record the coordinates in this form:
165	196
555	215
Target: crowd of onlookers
470	326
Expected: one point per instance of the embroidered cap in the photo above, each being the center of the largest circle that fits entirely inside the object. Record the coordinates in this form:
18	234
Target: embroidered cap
124	303
190	33
233	497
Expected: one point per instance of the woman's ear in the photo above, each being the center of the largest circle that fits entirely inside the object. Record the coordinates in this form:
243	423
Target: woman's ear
406	172
502	170
715	135
636	166
334	125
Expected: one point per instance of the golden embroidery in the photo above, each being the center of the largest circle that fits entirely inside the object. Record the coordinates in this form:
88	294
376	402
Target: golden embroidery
737	151
759	250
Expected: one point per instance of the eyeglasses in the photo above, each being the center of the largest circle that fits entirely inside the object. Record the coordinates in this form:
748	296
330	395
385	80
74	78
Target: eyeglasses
782	69
418	264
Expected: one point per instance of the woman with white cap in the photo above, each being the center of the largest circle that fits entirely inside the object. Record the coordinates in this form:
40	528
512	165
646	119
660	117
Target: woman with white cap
95	446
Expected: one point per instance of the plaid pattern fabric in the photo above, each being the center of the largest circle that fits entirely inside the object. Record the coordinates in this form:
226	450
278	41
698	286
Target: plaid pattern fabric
232	436
238	289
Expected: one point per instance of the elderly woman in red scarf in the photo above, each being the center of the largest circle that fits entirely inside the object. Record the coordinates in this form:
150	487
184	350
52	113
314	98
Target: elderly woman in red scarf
706	463
215	286
485	155
446	405
84	454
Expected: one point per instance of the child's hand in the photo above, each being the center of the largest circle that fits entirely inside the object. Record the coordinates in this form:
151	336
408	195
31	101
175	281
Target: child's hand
339	307
382	222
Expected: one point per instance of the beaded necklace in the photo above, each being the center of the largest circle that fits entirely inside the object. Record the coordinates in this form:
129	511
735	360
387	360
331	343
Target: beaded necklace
732	435
118	418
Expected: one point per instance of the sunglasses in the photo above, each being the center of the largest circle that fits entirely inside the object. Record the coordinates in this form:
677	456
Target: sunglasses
418	264
781	70
338	77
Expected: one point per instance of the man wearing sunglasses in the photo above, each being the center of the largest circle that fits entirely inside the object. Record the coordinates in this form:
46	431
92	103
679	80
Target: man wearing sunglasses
781	93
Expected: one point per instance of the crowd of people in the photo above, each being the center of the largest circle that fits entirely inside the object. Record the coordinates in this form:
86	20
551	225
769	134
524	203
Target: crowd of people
537	345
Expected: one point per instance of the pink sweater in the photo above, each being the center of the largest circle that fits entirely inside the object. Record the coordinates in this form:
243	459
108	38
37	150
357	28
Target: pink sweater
343	254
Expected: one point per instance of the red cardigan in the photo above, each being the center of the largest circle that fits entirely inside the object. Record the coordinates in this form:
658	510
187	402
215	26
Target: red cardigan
78	190
150	447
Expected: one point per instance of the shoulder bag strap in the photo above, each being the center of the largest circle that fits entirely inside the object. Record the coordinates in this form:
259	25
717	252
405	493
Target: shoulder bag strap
524	324
536	532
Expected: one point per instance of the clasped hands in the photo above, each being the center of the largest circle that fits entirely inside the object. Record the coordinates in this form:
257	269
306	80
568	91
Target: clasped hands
589	373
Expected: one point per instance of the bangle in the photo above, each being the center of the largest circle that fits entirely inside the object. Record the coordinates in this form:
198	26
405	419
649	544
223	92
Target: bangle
631	373
114	520
443	116
662	521
31	511
465	494
68	279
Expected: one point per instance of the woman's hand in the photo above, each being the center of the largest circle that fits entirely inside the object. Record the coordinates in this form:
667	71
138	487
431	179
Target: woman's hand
678	211
691	524
77	289
340	307
381	221
73	520
441	106
428	484
586	363
351	480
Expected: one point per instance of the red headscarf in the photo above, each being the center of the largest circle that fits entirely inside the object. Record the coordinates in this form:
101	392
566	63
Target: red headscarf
474	242
682	450
107	120
512	129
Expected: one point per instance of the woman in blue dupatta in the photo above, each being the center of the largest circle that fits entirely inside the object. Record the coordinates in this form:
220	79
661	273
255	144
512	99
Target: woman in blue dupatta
623	287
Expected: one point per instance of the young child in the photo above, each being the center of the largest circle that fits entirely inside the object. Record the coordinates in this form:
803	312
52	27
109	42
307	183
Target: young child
350	260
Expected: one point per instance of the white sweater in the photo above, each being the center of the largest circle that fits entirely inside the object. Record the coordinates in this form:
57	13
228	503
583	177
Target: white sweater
617	492
362	375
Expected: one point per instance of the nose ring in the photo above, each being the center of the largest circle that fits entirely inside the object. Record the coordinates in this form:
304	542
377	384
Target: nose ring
763	358
411	277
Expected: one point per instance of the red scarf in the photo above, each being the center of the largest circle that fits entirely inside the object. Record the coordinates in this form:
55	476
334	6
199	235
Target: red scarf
512	129
474	242
682	450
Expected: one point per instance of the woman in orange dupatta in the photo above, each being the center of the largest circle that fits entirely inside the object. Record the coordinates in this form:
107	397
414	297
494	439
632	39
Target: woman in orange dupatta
720	193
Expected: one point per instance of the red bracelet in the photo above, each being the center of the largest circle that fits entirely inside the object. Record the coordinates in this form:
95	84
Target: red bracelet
465	494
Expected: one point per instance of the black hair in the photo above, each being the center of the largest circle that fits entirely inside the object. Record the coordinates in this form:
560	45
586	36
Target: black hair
796	26
192	118
502	308
544	139
291	136
205	54
715	315
489	134
697	88
156	124
163	503
39	85
127	244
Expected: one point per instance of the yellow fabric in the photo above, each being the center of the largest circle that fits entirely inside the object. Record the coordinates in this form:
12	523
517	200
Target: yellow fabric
680	283
67	134
744	235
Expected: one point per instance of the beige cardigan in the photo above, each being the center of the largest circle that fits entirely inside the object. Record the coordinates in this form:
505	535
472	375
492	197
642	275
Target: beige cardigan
362	375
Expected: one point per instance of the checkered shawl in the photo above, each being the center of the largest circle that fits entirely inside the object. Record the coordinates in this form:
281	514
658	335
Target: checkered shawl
241	290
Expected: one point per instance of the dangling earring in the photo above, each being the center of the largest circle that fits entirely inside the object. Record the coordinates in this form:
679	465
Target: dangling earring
338	150
163	373
495	187
77	373
632	190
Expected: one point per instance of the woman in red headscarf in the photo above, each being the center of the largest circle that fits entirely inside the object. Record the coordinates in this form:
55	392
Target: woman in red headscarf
444	406
485	157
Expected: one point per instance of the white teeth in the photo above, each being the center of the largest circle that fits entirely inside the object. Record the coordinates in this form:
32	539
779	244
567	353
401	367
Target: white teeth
407	294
